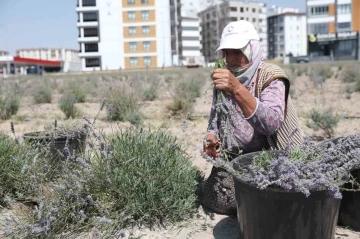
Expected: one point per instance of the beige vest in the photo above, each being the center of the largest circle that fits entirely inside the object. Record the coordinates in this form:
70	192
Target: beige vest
290	132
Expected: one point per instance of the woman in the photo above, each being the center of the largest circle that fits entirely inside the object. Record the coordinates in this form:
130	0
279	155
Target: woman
251	110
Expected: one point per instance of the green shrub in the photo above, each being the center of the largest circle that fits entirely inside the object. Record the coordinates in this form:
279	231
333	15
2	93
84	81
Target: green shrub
147	177
9	105
77	88
123	104
129	178
67	105
21	170
324	119
42	94
186	91
351	73
150	89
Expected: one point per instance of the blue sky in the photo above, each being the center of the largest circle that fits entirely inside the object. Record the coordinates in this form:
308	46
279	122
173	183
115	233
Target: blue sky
52	23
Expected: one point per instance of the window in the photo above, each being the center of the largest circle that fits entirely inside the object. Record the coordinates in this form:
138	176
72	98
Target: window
344	8
233	9
90	17
241	9
241	18
145	15
53	54
323	10
91	47
91	32
146	45
254	10
344	26
144	1
132	31
92	62
145	30
89	3
131	15
254	19
233	19
133	46
130	2
133	61
147	60
319	28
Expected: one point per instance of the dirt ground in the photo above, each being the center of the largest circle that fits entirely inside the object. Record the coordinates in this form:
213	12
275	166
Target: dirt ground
306	96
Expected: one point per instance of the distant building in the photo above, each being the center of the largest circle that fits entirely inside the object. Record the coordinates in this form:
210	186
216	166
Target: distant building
191	46
333	29
287	35
276	10
69	57
4	53
128	34
216	17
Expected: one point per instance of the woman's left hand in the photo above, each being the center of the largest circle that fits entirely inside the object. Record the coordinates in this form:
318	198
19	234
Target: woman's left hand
224	80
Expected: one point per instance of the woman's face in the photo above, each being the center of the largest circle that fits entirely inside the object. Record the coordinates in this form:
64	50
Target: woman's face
235	58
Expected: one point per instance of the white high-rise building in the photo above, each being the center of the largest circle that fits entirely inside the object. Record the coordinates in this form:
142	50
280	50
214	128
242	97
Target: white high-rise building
287	35
126	34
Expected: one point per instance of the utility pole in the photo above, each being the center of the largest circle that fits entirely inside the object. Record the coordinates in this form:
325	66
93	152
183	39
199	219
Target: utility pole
6	48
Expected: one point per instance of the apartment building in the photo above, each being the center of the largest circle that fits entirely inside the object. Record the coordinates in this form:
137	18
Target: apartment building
216	17
333	29
191	46
287	35
127	34
69	57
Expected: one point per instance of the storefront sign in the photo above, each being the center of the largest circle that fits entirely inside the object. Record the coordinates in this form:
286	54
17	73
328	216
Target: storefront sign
333	36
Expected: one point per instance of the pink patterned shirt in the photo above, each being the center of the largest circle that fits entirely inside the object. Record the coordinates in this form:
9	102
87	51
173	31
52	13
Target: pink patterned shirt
250	133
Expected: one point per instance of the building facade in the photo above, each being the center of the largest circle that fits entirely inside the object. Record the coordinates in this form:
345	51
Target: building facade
287	35
216	17
333	29
69	57
127	34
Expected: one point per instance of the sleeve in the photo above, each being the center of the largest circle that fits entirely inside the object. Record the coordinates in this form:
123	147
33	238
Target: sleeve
269	113
212	120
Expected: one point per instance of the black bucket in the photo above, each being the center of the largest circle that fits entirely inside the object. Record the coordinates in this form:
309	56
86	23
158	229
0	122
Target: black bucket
275	213
75	142
349	213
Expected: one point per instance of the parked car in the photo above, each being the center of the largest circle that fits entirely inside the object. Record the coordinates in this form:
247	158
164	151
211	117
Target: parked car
302	59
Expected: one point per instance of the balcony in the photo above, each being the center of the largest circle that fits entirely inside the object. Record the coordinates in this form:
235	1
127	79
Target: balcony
87	24
86	9
89	54
88	39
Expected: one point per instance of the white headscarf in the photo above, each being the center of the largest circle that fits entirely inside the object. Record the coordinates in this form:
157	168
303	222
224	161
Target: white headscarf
254	54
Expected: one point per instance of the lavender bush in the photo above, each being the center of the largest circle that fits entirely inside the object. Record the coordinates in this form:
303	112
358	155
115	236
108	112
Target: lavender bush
324	119
22	169
307	168
129	178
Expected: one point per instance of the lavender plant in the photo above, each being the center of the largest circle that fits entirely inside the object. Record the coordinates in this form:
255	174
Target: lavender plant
324	119
130	177
307	168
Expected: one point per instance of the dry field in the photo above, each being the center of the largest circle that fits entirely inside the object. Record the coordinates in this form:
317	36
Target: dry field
308	92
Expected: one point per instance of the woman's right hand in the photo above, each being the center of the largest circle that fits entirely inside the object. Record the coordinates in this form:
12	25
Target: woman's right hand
210	145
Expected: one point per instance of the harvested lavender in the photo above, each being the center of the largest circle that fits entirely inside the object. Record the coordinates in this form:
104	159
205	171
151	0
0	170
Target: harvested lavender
306	168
